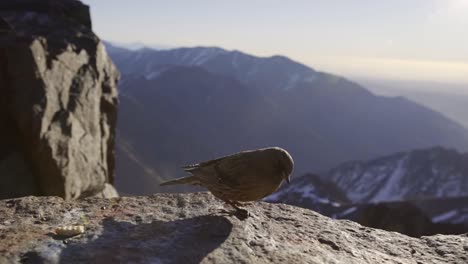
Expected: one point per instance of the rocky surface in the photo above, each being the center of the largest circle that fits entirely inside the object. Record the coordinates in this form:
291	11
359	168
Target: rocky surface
190	228
58	102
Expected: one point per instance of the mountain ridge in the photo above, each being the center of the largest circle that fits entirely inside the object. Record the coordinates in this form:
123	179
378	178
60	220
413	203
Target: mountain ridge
421	192
442	172
322	121
420	174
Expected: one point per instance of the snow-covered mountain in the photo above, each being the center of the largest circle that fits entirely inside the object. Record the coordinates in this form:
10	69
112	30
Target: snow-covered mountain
274	73
416	175
137	45
310	191
422	192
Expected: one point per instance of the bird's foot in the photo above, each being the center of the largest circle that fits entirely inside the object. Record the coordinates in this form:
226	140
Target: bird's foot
240	213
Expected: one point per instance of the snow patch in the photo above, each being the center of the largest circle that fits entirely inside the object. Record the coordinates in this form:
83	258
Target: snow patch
153	75
444	217
235	60
348	211
461	217
204	55
185	56
391	191
274	197
311	78
450	188
292	81
253	69
306	191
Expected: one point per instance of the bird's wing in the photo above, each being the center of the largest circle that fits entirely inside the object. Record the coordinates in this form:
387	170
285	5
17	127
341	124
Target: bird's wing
227	168
231	169
212	162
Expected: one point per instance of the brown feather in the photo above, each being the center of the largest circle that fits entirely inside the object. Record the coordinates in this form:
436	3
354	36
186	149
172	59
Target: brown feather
244	176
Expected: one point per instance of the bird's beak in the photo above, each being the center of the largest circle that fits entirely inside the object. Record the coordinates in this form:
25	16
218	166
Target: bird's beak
288	179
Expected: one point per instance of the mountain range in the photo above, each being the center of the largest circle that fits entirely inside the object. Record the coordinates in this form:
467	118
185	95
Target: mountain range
420	192
423	174
415	175
185	105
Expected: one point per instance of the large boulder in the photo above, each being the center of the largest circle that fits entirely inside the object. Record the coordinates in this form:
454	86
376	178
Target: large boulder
191	228
58	102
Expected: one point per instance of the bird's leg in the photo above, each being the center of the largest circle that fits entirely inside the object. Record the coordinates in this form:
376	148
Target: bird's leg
236	204
240	213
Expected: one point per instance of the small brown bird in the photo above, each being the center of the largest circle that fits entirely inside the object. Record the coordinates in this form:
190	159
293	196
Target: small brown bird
242	177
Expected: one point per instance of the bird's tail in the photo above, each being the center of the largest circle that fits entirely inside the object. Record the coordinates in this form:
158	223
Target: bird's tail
184	180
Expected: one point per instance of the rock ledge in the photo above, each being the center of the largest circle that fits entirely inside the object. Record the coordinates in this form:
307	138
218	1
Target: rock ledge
189	228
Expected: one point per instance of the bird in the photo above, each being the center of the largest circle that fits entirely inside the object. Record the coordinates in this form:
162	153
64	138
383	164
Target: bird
242	177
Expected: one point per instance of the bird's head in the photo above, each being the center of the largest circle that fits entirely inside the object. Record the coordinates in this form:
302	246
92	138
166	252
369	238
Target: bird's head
285	164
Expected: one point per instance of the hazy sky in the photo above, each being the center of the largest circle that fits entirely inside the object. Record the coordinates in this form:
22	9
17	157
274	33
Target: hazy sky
395	39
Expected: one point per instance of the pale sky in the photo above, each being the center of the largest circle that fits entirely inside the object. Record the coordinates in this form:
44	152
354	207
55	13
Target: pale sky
425	40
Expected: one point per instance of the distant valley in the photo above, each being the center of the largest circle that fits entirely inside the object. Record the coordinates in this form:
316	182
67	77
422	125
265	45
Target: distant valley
448	99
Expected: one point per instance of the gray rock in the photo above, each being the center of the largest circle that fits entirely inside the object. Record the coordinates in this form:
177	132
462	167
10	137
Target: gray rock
189	228
58	101
108	192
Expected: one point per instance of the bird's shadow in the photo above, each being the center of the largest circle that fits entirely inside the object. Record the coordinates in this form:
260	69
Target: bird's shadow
180	241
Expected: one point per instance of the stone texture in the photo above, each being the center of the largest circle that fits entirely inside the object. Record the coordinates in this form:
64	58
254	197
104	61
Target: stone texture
58	101
189	228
